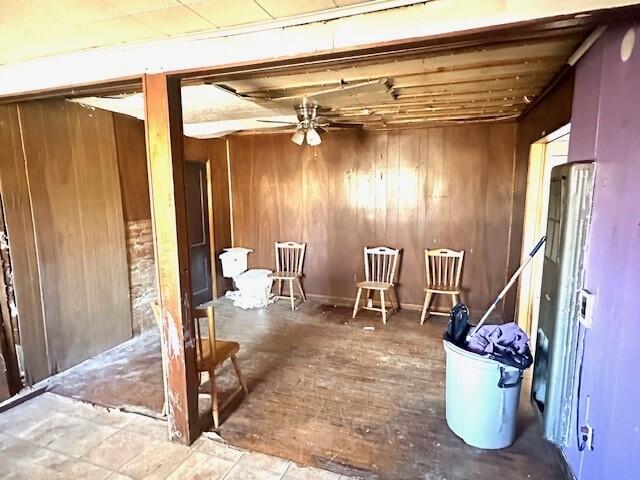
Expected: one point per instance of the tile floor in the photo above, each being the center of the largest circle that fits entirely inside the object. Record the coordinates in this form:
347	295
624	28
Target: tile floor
53	437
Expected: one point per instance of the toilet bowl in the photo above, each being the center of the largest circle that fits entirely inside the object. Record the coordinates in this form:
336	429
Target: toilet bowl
253	285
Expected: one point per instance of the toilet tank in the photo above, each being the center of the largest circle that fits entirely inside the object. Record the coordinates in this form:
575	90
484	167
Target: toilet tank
234	261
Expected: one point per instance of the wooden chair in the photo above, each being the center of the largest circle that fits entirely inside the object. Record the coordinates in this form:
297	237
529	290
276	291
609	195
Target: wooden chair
210	354
444	271
379	271
289	261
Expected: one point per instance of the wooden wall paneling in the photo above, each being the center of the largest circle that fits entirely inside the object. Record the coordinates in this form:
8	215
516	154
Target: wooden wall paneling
408	216
436	200
342	245
411	189
132	161
499	193
22	244
315	214
77	210
221	208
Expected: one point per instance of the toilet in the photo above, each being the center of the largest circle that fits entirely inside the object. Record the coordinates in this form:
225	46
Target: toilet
253	286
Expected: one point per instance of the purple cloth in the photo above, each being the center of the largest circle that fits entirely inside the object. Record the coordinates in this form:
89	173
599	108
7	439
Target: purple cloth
507	339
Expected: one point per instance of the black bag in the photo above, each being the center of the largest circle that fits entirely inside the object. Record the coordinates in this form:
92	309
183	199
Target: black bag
458	325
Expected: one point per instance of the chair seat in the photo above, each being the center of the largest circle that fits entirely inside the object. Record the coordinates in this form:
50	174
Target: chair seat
374	285
442	289
285	275
224	350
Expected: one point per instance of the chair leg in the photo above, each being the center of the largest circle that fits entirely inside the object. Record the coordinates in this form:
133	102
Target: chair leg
236	367
355	306
394	299
384	307
425	307
293	302
369	300
279	288
453	299
214	399
304	299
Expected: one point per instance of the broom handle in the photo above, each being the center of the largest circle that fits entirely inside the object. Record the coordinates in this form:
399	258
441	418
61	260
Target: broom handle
507	287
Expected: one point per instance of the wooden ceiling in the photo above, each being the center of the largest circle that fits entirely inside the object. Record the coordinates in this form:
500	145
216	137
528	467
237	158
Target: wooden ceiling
489	80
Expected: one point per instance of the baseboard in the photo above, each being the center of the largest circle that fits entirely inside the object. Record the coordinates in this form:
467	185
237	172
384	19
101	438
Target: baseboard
565	468
496	317
348	302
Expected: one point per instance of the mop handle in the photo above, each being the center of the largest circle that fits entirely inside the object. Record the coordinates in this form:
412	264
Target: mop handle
507	287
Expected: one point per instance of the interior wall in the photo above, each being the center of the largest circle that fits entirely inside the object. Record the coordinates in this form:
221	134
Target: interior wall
551	113
132	162
411	189
132	167
64	217
17	209
215	150
604	127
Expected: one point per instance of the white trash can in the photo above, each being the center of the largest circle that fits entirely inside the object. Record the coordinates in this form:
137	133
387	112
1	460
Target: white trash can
482	398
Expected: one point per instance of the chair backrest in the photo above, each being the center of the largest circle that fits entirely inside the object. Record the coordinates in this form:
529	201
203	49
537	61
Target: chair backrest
443	267
290	256
198	314
380	264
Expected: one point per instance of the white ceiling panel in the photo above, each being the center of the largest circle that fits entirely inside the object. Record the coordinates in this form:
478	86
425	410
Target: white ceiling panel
21	16
38	28
52	41
130	7
175	20
223	13
283	9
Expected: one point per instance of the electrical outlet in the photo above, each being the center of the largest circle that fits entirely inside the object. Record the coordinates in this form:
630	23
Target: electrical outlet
586	434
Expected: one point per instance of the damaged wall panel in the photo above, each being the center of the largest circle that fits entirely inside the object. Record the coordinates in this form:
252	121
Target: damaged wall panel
20	228
65	195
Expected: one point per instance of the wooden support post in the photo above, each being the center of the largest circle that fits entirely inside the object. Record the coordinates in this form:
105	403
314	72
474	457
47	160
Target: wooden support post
163	111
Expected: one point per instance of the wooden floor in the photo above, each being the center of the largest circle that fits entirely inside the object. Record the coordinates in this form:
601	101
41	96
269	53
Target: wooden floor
324	392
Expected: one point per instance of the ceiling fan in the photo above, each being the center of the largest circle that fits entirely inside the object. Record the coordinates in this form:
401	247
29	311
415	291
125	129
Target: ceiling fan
309	123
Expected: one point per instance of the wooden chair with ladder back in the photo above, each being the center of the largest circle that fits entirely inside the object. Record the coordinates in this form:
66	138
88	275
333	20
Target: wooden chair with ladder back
444	272
210	355
289	263
379	270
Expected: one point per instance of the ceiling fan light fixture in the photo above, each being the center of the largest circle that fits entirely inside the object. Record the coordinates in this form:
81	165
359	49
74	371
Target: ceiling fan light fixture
298	137
313	137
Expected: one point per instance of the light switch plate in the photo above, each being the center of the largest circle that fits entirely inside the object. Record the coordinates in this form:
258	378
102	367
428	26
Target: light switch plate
586	308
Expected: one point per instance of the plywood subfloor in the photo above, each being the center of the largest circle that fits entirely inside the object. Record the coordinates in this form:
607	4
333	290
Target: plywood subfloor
326	393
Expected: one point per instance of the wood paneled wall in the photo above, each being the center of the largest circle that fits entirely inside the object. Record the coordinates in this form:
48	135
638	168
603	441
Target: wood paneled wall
20	227
411	189
66	233
215	150
132	166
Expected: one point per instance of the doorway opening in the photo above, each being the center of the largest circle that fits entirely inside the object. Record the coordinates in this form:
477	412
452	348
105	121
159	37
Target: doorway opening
546	153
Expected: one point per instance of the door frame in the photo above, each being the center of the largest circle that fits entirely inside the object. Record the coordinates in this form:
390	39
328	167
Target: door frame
544	154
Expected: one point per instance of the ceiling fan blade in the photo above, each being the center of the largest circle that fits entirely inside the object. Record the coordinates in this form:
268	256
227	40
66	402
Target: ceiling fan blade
279	122
344	125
